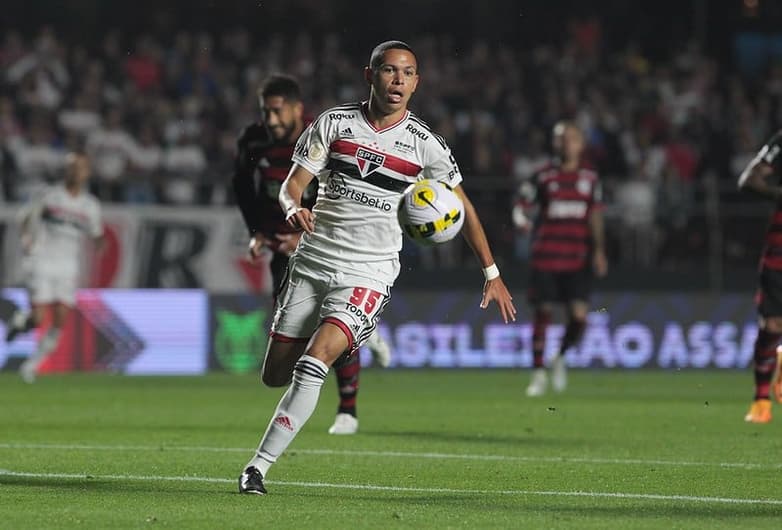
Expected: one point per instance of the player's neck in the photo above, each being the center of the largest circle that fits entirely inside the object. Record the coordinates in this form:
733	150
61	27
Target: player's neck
293	137
379	119
569	165
73	189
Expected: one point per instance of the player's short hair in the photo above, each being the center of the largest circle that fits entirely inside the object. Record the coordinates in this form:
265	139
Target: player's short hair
280	85
376	59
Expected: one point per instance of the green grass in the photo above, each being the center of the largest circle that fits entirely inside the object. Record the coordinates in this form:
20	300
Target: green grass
437	449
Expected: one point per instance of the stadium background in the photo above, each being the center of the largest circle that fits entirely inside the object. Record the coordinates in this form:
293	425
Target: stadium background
674	102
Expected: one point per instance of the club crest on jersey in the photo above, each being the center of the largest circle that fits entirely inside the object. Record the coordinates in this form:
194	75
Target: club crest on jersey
583	186
368	161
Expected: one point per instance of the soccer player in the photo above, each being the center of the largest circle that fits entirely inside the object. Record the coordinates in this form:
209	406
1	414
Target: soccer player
339	279
263	158
567	248
54	226
757	177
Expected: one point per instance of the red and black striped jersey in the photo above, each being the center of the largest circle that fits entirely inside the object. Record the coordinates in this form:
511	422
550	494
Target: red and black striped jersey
260	167
771	257
561	237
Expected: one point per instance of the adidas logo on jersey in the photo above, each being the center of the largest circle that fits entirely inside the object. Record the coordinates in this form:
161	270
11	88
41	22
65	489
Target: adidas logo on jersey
347	133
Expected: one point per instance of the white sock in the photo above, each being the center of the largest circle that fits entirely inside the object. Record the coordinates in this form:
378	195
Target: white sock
46	345
293	411
374	340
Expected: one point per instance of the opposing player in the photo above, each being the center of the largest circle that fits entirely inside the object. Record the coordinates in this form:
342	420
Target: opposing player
53	229
567	248
263	158
340	276
762	176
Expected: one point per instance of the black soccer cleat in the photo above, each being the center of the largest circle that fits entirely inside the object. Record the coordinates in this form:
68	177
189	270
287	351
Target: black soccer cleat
251	481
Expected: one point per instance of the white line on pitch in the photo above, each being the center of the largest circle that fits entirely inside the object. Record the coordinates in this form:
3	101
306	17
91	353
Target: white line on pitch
374	487
398	454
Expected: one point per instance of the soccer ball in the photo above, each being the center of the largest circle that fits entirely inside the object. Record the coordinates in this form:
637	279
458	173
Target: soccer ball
430	212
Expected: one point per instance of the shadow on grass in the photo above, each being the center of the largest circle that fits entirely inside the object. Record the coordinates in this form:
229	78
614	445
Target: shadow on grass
479	438
535	505
501	505
101	485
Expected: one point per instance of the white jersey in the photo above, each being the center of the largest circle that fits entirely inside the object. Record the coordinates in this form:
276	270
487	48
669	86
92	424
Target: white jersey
362	173
57	224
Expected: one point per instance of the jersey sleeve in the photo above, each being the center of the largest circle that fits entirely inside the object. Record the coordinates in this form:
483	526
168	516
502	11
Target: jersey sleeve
95	227
596	200
528	192
312	148
242	182
771	152
439	162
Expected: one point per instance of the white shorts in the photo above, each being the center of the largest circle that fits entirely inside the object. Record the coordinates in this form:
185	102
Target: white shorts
48	287
312	294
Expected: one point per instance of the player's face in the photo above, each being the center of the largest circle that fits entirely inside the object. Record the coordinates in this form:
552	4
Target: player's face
77	169
394	81
568	142
283	117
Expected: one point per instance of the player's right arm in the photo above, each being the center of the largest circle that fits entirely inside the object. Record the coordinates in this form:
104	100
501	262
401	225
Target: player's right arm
756	176
290	196
30	218
525	204
310	157
243	184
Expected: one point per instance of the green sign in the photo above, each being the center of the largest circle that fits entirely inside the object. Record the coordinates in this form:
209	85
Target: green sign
240	340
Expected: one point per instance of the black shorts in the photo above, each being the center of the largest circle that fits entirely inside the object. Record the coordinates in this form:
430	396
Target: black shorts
564	287
769	296
278	266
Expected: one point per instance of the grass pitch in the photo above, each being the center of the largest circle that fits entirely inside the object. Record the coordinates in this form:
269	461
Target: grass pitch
436	449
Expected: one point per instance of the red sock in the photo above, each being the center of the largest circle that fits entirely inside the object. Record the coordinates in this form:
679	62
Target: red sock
347	382
539	326
765	362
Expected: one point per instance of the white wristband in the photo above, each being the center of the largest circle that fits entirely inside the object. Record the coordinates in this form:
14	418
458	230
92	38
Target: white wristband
491	272
291	211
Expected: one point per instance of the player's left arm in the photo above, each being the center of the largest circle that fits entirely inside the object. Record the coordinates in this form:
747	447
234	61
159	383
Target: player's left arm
494	288
597	231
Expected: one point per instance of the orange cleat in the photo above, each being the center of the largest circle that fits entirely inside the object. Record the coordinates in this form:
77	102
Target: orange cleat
759	412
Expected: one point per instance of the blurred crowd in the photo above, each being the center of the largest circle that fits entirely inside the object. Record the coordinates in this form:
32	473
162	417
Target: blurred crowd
159	116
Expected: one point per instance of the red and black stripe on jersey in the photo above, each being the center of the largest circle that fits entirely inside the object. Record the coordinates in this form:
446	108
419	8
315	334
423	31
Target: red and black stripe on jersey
260	167
562	238
377	177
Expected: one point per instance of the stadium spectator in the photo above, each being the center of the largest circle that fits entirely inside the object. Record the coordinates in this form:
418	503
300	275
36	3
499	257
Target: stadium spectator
627	101
36	157
110	148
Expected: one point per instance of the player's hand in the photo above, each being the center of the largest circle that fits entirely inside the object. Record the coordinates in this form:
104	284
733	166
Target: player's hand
520	220
495	290
287	243
600	263
27	243
301	219
254	248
